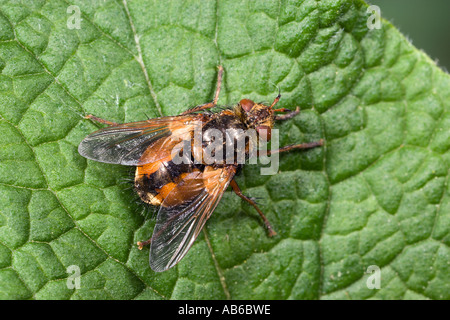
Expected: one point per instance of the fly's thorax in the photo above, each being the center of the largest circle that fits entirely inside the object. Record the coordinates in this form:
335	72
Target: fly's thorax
260	115
225	139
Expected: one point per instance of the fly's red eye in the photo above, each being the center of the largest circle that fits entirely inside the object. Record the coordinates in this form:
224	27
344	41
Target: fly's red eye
246	104
265	132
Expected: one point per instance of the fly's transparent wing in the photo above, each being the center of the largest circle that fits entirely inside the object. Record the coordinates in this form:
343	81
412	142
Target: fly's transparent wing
183	214
126	143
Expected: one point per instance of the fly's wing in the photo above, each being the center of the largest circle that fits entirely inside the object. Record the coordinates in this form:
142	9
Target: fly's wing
126	143
184	212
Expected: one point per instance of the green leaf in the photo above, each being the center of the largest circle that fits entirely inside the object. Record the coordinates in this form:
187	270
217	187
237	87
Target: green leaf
376	194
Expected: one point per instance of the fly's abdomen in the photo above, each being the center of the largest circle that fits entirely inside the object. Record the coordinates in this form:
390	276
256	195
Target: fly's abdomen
154	181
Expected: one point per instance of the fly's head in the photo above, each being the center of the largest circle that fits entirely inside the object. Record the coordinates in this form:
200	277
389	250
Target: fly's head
257	116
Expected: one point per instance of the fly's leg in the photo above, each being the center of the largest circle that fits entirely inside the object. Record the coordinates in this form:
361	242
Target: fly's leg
212	104
238	191
304	146
218	85
142	244
100	120
288	115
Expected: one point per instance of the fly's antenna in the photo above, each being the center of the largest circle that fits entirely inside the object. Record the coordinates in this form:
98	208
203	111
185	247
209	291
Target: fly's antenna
278	96
275	101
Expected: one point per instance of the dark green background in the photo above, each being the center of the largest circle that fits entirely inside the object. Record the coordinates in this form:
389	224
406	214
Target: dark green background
425	23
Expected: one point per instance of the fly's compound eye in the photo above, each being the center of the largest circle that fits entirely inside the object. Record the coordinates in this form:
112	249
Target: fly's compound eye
265	132
246	104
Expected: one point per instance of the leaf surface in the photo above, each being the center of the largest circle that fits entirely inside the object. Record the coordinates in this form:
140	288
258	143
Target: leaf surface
377	194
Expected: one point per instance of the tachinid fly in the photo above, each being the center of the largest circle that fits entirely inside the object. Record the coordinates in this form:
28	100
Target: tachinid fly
186	192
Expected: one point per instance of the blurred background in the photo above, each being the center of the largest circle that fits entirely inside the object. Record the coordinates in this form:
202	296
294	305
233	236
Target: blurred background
425	23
